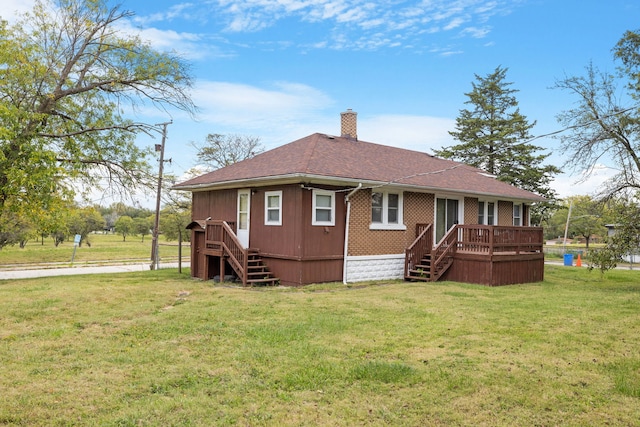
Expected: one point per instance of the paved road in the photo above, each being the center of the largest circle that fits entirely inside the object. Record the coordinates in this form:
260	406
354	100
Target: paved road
68	271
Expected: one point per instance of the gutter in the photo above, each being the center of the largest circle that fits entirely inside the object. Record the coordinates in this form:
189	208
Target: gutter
346	232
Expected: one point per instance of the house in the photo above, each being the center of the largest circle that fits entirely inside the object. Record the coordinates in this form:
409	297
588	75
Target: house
334	208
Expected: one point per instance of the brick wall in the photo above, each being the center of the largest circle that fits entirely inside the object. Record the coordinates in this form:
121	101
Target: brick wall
470	210
505	213
418	208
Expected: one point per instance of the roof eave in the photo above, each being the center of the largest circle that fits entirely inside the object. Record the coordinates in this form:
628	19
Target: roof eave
332	180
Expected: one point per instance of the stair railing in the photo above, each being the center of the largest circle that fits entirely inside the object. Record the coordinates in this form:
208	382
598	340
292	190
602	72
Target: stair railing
220	234
442	254
420	247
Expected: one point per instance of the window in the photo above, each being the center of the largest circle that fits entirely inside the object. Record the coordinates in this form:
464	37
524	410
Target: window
324	207
386	211
486	213
273	208
517	214
447	215
491	213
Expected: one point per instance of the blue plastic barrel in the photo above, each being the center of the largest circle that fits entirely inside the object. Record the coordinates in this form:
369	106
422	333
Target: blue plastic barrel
568	260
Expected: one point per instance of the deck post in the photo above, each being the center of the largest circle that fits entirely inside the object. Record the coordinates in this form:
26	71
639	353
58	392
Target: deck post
492	233
245	266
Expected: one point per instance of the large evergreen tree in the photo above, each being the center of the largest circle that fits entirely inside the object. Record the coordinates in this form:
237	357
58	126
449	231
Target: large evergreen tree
494	136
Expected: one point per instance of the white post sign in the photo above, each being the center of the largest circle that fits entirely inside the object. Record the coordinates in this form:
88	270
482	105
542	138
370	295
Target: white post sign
76	242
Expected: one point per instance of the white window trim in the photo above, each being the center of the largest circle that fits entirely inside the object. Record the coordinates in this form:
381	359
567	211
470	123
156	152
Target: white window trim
384	225
514	214
486	211
332	222
268	194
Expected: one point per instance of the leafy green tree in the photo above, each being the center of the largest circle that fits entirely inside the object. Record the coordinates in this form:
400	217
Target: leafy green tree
173	225
125	227
68	72
604	126
14	229
85	221
142	226
555	225
624	214
586	221
494	136
586	218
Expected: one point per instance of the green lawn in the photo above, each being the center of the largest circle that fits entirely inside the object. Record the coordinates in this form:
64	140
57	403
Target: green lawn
158	348
104	247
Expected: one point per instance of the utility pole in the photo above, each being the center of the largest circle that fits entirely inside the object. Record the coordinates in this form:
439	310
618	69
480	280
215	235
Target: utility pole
155	259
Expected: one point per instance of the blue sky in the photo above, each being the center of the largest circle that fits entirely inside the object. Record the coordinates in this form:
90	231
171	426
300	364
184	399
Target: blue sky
283	69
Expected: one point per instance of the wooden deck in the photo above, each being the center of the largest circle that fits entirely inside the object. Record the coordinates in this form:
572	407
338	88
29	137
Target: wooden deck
488	255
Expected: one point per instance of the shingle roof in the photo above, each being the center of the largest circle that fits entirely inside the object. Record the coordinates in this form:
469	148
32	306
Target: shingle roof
346	159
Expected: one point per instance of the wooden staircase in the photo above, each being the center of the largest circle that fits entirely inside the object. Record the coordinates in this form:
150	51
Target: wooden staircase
221	241
426	263
428	271
257	273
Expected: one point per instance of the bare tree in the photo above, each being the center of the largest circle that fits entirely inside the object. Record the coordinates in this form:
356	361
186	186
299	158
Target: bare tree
604	126
220	150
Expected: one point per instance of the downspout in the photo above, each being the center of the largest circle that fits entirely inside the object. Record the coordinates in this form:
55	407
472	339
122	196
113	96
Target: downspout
346	232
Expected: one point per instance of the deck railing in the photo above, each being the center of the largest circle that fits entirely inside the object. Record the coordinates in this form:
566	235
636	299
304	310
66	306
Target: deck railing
220	236
478	239
491	239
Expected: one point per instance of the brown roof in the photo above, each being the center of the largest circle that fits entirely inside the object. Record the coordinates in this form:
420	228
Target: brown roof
341	159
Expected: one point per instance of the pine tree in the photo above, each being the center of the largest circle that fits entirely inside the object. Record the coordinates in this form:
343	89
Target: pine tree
494	137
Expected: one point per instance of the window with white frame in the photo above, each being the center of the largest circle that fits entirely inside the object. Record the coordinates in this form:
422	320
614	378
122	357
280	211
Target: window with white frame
386	210
486	213
324	207
273	208
517	214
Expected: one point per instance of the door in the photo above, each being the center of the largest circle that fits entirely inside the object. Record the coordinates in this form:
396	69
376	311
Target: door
243	221
446	216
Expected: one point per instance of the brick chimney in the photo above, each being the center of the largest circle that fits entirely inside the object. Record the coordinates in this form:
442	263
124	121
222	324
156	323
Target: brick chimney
349	124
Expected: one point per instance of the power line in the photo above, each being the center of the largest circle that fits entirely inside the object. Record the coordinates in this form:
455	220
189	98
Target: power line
546	135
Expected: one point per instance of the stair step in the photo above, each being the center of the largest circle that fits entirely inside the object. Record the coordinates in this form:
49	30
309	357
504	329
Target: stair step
258	273
265	282
417	273
422	279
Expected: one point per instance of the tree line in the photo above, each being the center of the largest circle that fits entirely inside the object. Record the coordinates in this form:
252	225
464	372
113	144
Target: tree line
70	76
117	218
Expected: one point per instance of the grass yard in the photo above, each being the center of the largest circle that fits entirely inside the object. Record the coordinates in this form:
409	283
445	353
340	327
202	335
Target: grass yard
104	247
157	348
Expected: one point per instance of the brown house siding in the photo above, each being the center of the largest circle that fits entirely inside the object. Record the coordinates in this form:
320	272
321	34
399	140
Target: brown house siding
221	204
298	252
285	239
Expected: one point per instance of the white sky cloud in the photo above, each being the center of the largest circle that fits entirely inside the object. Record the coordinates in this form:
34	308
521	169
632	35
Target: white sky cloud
11	8
350	18
420	133
579	184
